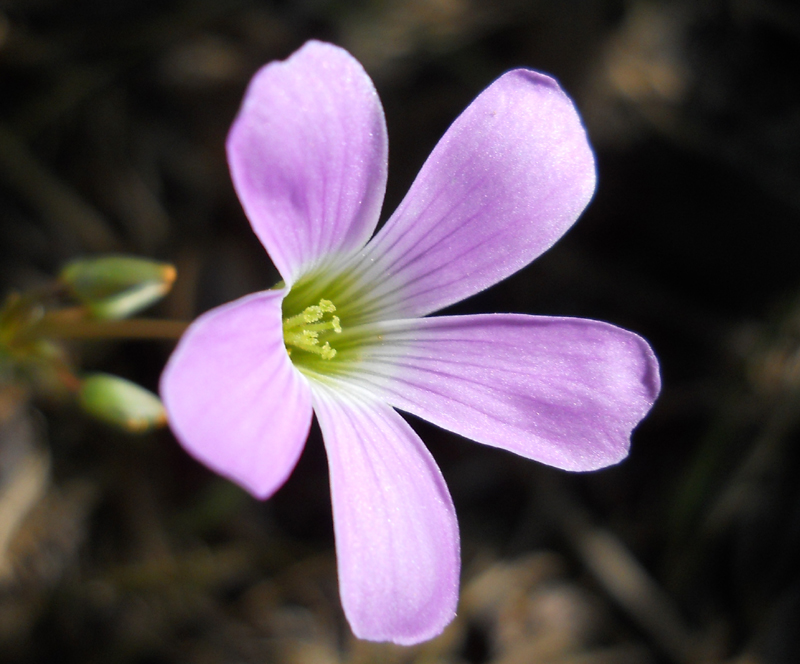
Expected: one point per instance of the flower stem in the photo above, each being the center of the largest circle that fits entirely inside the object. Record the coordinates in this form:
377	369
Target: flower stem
136	328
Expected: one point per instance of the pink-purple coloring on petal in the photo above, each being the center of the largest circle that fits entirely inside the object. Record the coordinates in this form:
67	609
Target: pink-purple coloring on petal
345	336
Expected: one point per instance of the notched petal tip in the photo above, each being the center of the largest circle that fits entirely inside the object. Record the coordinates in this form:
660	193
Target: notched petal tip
651	374
563	391
642	385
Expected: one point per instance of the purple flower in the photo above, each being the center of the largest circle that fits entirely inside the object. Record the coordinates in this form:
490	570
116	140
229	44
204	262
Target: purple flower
345	334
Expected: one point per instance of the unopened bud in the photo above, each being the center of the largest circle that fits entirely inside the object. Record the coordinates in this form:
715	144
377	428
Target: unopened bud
121	403
115	287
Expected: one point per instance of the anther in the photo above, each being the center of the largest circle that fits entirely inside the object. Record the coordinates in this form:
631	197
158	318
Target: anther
305	330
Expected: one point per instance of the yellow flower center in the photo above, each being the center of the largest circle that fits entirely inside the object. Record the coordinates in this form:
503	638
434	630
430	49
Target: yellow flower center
310	331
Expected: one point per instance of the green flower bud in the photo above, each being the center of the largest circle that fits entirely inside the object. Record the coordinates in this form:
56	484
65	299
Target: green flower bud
121	403
115	287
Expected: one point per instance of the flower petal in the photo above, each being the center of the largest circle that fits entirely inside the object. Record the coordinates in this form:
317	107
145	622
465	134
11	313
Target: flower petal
563	391
233	398
308	156
396	530
506	181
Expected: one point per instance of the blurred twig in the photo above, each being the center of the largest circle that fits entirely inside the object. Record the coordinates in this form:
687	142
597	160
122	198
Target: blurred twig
69	216
24	470
744	484
620	574
79	81
136	328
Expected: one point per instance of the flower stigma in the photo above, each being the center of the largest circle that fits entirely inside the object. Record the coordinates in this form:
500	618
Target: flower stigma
307	331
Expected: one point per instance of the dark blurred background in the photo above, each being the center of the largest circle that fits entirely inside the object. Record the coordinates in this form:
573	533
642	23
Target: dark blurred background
120	548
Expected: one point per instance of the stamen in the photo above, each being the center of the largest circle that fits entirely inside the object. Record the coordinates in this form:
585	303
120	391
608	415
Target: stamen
304	330
312	314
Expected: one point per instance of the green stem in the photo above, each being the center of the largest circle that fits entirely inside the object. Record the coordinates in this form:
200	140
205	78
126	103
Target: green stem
135	328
